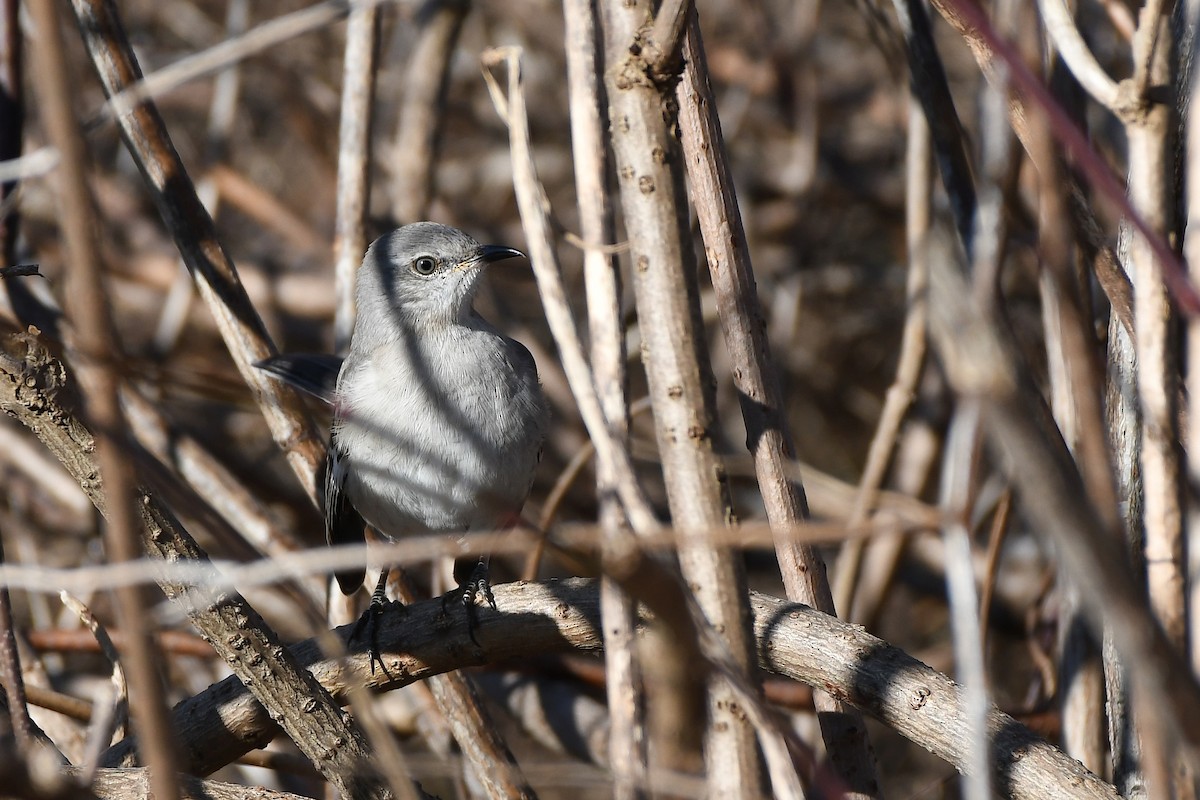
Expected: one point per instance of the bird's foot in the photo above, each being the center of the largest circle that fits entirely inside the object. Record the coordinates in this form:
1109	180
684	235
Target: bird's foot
369	622
468	593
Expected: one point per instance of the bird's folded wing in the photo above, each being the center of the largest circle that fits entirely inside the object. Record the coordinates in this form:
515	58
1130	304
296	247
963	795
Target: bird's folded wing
343	524
314	373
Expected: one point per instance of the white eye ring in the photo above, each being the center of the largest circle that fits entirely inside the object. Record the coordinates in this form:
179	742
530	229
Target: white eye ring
425	265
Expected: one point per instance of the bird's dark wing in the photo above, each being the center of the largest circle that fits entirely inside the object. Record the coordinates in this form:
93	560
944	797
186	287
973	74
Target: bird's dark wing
343	525
314	373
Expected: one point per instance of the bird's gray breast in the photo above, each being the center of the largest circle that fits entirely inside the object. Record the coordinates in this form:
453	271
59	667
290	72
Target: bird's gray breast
442	433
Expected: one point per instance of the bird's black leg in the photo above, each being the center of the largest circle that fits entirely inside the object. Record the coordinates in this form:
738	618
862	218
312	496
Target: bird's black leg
469	591
370	621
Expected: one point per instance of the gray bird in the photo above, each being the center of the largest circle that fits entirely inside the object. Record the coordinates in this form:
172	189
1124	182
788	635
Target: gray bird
438	418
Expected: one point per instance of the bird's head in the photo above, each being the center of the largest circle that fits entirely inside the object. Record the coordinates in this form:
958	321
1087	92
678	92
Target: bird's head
423	274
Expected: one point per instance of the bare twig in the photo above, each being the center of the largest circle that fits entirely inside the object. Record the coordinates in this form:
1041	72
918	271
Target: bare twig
755	378
626	741
354	163
559	616
957	496
1151	170
132	94
1075	52
10	670
980	365
414	154
918	198
110	717
927	77
99	355
242	329
650	179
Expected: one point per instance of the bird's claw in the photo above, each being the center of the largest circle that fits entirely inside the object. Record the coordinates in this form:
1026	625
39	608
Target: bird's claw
369	621
476	586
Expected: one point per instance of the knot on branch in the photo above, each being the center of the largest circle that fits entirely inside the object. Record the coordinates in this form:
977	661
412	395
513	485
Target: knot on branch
37	377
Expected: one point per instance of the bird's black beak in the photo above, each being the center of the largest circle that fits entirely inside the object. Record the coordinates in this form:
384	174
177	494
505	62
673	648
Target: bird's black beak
490	253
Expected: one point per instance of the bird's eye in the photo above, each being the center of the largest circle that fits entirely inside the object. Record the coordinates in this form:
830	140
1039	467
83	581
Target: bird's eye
425	265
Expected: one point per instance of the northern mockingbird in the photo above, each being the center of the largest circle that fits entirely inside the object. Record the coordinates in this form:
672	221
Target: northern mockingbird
438	418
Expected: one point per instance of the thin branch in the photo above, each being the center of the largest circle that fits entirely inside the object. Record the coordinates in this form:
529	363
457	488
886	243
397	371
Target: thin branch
354	163
650	179
664	40
1069	43
917	204
793	640
966	17
414	153
624	685
927	78
979	364
99	356
754	375
146	138
10	670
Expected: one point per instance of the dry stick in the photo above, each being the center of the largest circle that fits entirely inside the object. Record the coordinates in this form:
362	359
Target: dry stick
1151	176
414	154
917	202
959	468
12	116
996	536
471	725
21	724
1076	395
985	252
670	654
234	629
968	18
793	640
1108	271
354	163
221	117
110	718
757	382
927	78
241	328
979	364
650	177
215	58
1151	192
1069	43
624	687
99	354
